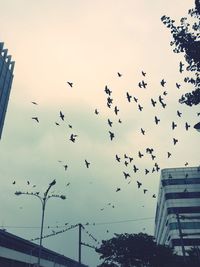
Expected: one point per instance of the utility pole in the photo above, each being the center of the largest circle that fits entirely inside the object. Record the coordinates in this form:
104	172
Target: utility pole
181	237
79	243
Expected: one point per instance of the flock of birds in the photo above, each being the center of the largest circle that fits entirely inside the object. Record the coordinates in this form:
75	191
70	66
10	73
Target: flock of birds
127	160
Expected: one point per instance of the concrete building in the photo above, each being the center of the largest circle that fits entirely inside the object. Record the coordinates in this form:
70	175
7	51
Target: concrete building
6	78
178	209
18	252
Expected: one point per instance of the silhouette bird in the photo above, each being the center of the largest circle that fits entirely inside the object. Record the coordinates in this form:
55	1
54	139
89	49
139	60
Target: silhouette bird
130	159
153	157
165	93
117	158
175	141
187	126
116	110
178	85
142	131
62	116
154	196
70	84
72	137
139	184
153	102
143	73
108	91
70	126
168	154
96	112
110	122
135	99
14	182
146	171
181	65
65	166
128	97
34	103
36	119
174	125
145	190
186	164
156	120
87	163
126	175
179	113
140	107
142	84
126	163
28	183
56	123
109	100
119	74
125	156
140	155
118	189
135	169
111	135
163	82
119	121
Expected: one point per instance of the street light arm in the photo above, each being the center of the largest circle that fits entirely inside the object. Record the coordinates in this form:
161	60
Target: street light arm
18	193
50	185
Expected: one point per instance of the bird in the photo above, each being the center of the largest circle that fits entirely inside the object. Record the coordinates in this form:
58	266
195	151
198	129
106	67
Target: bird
117	158
168	154
153	157
154	196
28	183
178	85
175	141
135	169
186	164
72	137
110	122
119	74
142	131
70	126
125	156
145	190
126	175
87	163
36	119
119	121
156	120
181	67
139	184
146	171
96	112
198	113
174	125
128	97
142	84
163	82
109	100
165	93
187	126
153	102
140	155
130	159
118	189
68	184
70	84
108	91
116	110
62	116
140	107
135	99
56	123
34	103
179	113
111	135
14	182
143	73
126	163
65	166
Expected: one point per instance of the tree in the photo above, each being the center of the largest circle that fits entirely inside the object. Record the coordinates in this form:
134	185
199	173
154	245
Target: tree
134	250
186	39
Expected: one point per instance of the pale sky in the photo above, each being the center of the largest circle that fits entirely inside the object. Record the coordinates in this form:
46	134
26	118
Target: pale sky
88	42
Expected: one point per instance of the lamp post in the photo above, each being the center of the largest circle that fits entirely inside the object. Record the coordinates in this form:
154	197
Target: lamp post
43	200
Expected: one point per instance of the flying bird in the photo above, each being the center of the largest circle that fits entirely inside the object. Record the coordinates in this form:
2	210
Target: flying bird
14	182
36	119
179	113
178	85
140	155
140	107
165	93
146	171
143	73
135	99
118	189
111	135
72	137
87	163
56	123
116	110
139	184
34	103
153	102
174	125
126	175
153	157
65	166
168	154
110	122
119	74
62	116
156	120
96	112
117	158
142	84
128	97
142	131
108	91
175	141
135	169
70	84
187	126
145	190
163	82
154	196
181	67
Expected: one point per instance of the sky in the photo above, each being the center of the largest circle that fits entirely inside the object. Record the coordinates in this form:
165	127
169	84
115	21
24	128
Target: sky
88	43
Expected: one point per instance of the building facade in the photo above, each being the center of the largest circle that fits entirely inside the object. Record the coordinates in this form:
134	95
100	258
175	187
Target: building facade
6	78
18	252
177	220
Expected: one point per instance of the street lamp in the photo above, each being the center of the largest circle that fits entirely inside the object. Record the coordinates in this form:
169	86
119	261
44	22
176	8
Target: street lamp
43	200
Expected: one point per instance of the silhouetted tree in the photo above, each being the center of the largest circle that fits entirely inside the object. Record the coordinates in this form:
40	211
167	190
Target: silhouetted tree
186	39
135	250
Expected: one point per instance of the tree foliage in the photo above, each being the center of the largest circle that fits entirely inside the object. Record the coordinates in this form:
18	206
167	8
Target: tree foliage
186	39
138	250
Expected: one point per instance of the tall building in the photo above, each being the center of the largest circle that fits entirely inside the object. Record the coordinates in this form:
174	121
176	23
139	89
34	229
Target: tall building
6	77
177	220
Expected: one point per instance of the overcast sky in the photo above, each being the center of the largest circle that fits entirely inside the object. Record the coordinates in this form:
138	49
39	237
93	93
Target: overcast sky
87	43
